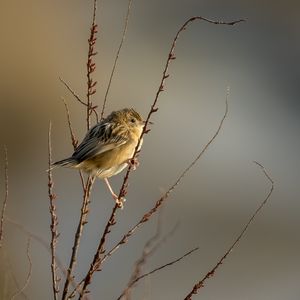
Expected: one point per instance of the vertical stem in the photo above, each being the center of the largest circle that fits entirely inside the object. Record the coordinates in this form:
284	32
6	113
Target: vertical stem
5	197
82	222
116	58
54	220
91	66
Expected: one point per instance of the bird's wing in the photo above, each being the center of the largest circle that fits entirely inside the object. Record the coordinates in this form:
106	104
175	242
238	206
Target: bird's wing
99	139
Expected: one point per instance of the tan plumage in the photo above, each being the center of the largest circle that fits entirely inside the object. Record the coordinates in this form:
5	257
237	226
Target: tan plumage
108	146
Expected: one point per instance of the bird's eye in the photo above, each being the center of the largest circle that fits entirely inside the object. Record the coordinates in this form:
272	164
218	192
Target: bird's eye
132	120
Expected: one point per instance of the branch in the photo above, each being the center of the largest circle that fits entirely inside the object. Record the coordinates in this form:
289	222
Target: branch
42	242
97	261
91	67
160	268
117	57
73	138
82	221
5	197
160	201
21	290
72	91
13	277
165	75
147	252
54	220
78	98
211	273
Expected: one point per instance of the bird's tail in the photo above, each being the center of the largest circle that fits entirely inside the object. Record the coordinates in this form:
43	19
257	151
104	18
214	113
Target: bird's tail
67	162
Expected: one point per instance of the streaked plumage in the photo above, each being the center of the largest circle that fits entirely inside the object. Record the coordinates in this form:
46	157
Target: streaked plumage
107	147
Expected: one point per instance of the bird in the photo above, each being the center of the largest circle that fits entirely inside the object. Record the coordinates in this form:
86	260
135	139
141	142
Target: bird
108	147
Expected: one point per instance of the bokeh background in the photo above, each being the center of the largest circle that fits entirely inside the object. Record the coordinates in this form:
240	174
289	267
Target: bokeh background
42	40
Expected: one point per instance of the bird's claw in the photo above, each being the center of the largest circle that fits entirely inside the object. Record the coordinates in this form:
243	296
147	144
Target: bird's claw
133	162
120	202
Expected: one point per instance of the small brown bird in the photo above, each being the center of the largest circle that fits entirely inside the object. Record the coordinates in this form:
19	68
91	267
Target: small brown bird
108	146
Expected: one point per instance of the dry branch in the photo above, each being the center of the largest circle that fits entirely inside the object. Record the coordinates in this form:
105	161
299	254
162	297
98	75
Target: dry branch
54	220
72	135
116	58
77	97
91	67
21	290
160	268
211	273
165	75
97	261
72	91
160	201
5	197
82	221
91	90
11	274
149	250
42	242
73	138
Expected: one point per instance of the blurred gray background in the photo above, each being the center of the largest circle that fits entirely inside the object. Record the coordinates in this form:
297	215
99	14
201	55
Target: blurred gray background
259	60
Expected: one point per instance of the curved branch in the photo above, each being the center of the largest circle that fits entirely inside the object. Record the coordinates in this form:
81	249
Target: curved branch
97	261
158	269
21	290
211	273
160	201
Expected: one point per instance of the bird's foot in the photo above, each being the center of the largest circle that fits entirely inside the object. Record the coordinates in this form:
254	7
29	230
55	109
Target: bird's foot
119	201
133	162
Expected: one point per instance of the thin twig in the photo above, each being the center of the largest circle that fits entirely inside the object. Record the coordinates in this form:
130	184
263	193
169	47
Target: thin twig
97	261
160	201
211	273
160	268
116	58
21	290
148	251
91	66
72	91
73	137
42	242
82	221
54	220
165	75
5	197
84	209
78	98
13	277
141	261
164	239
